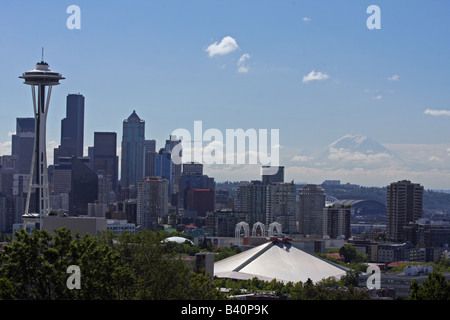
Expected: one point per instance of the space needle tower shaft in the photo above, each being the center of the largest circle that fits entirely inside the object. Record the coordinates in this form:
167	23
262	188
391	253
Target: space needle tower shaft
41	79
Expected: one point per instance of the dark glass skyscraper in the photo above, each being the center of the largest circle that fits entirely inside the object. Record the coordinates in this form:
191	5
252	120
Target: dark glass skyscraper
84	187
106	161
132	160
23	144
72	128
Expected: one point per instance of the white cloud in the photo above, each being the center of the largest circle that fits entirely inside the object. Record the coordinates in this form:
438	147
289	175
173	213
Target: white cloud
366	159
301	158
5	148
242	69
306	19
437	113
227	45
379	97
241	63
243	58
434	158
313	75
394	77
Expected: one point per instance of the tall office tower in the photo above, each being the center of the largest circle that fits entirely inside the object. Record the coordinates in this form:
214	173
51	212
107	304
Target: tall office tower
404	205
193	168
267	177
163	167
132	160
151	202
23	143
281	205
336	221
310	210
193	178
42	79
84	187
150	145
176	168
62	176
105	159
201	201
149	158
72	129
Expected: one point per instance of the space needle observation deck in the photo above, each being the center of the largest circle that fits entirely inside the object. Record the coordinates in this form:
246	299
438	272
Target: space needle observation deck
41	79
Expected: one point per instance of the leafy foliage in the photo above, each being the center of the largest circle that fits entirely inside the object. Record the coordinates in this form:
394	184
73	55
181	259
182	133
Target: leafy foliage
327	289
435	287
130	267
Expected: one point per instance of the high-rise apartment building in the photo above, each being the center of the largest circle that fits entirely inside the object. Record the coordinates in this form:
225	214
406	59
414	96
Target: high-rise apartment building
72	129
336	221
251	198
310	210
267	203
132	160
281	205
404	205
151	202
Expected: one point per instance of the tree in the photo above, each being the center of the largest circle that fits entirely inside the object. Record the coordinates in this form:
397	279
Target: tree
351	278
434	287
351	255
133	267
35	267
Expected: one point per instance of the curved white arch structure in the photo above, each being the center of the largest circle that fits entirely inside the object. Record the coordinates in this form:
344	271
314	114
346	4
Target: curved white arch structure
237	230
274	225
329	200
255	228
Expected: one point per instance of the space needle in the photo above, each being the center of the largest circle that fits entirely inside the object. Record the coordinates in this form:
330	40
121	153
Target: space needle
42	80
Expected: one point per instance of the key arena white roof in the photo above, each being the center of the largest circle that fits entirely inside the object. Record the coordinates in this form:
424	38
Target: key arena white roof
277	260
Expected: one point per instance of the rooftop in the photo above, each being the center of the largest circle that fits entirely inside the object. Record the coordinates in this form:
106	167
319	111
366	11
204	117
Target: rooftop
277	260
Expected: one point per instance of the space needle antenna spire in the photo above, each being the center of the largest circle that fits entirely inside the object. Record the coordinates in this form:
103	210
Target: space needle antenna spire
42	80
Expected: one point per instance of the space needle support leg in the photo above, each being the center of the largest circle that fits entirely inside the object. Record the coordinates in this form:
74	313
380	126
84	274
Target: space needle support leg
33	159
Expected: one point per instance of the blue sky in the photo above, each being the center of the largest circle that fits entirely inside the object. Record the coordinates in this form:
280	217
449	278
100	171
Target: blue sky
151	56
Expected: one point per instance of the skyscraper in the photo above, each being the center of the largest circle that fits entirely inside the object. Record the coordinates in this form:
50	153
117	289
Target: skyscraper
84	187
281	205
404	205
310	210
72	129
251	198
163	167
336	221
106	161
269	178
23	143
132	160
176	168
151	202
267	203
193	178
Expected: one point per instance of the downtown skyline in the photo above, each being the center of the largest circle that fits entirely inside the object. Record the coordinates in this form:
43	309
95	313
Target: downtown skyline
313	71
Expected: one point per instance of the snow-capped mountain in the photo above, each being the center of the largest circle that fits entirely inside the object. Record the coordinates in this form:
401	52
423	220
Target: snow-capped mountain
352	151
356	150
